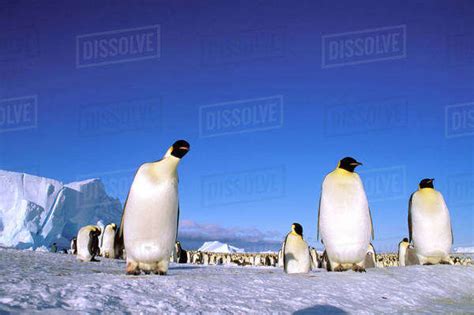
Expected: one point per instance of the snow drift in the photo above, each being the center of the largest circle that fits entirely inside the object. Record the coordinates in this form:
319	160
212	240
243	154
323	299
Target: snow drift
37	211
218	247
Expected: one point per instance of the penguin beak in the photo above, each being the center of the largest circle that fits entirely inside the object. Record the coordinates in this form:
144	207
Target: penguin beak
356	164
431	180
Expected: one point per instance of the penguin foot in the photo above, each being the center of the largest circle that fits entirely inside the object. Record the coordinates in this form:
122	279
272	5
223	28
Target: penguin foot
358	268
132	269
443	262
427	264
159	272
339	268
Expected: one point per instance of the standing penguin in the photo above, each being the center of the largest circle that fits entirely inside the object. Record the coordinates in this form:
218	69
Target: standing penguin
88	243
429	225
296	255
370	257
344	219
151	213
74	246
108	239
406	254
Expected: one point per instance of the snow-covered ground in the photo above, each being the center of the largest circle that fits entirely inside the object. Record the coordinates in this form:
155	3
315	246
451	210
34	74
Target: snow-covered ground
31	281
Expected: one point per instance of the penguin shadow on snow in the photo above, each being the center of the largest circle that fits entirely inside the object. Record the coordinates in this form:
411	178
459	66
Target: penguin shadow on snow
321	309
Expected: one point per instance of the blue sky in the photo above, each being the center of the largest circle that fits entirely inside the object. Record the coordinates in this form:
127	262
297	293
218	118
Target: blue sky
406	117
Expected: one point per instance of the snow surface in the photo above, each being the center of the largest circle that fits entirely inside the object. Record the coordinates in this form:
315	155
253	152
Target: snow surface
57	283
218	247
37	211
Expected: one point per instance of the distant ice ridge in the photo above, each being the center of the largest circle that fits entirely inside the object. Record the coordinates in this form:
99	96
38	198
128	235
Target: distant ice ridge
37	211
218	247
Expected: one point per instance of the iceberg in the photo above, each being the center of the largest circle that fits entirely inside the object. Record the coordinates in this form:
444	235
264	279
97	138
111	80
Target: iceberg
36	212
218	247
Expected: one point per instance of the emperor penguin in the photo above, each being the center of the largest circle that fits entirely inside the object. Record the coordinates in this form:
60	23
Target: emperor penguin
370	257
74	246
280	256
88	243
151	213
108	240
314	258
429	225
296	255
344	219
406	254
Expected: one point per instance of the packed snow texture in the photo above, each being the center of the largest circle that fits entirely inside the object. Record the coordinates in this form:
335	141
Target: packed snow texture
218	247
58	283
37	211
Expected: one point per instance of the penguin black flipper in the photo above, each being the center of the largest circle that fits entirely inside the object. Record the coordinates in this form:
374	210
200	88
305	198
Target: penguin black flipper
319	215
452	236
371	225
283	252
410	226
177	225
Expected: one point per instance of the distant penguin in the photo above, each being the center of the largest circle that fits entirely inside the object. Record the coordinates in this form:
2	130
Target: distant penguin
406	254
370	258
429	225
344	219
88	243
182	255
280	256
314	258
108	240
296	256
74	246
151	213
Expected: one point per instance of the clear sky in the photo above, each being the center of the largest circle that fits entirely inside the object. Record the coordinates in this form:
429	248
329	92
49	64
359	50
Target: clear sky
294	86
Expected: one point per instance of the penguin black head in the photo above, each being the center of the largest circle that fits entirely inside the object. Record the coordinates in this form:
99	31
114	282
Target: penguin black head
180	148
427	183
348	164
405	240
297	228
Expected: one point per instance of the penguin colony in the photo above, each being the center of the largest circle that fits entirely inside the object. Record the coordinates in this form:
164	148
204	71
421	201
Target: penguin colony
146	237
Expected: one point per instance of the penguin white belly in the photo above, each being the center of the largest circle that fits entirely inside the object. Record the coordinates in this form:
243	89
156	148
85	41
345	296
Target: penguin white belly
83	252
297	256
344	219
431	225
150	221
108	242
